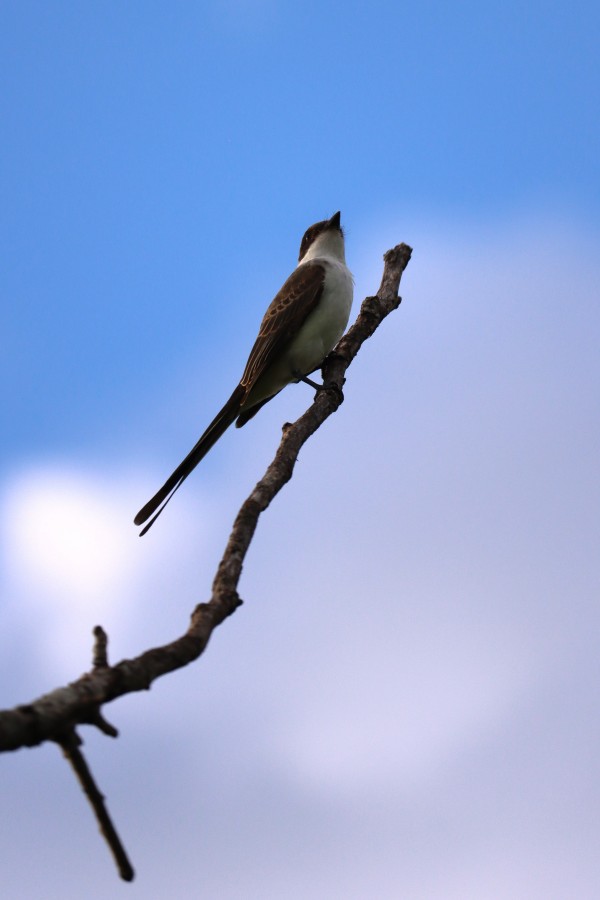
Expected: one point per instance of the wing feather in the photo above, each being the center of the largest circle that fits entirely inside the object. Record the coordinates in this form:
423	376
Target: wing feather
283	319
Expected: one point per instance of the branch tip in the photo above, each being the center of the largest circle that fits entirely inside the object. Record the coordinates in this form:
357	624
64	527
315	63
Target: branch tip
100	651
102	725
70	743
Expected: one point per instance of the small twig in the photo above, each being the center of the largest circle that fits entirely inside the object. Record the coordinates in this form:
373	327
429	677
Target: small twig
70	744
96	718
100	653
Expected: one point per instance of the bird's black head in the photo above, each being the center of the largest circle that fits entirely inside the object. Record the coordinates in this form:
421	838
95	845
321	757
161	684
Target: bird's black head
312	233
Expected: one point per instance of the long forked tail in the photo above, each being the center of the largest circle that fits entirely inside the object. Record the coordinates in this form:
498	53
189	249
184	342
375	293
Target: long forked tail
217	427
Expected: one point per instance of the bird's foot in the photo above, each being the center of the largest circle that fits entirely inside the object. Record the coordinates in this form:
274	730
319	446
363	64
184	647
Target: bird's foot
326	386
309	381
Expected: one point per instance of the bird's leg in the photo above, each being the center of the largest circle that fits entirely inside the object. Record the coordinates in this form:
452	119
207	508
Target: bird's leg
309	381
326	386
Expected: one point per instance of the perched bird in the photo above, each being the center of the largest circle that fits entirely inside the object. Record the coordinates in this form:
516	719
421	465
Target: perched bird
301	326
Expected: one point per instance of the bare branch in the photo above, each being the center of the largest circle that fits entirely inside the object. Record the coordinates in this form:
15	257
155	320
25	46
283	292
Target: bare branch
71	743
55	714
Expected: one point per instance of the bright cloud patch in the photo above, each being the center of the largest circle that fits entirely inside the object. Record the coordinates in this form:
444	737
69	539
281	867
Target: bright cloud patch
72	559
67	536
67	563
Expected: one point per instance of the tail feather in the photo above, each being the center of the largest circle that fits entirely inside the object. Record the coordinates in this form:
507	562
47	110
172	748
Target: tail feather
250	413
217	427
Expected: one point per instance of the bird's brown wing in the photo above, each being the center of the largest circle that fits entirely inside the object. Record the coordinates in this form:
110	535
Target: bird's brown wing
286	314
283	319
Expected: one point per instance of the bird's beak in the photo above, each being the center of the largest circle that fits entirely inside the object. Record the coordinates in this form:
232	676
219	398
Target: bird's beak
334	221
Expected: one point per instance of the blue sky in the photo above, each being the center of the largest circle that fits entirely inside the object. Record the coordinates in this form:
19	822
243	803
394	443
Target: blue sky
145	142
407	706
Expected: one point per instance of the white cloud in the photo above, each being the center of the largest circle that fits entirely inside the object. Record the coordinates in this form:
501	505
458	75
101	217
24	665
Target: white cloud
67	537
405	713
72	559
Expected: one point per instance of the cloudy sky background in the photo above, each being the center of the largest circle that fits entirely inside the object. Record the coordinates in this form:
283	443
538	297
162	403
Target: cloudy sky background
407	703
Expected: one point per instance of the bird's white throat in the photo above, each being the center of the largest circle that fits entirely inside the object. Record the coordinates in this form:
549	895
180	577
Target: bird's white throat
328	245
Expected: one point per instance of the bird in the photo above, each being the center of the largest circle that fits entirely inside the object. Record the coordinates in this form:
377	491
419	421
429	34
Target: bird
302	324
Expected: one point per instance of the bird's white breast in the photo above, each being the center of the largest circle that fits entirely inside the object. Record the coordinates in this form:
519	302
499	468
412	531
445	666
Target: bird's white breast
326	324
